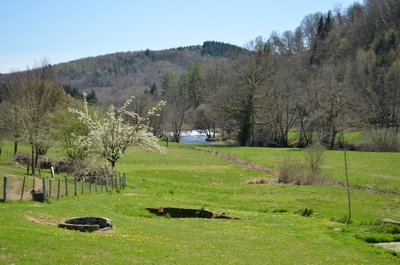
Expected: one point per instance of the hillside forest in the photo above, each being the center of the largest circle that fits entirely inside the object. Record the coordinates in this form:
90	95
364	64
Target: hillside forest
336	72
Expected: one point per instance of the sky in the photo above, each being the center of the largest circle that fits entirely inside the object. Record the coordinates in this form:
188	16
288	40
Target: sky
65	30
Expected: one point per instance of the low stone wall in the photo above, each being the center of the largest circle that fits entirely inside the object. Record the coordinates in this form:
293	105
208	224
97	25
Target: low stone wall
87	224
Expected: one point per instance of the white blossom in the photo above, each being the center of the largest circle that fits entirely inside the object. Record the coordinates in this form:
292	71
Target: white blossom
111	135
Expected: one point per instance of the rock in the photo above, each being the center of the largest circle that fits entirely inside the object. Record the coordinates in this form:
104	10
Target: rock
395	246
390	221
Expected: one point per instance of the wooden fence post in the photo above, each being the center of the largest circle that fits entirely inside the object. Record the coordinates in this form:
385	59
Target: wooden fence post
44	188
53	175
58	188
82	186
5	189
76	186
106	184
50	184
66	186
124	176
23	188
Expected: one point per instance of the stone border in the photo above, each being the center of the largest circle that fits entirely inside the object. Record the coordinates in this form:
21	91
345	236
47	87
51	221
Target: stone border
87	224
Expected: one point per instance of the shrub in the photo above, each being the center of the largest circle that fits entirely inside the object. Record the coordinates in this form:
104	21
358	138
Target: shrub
291	171
44	161
306	212
314	156
383	140
84	169
301	172
47	162
22	158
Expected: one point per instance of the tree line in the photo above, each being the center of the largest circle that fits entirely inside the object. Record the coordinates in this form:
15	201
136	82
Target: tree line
337	71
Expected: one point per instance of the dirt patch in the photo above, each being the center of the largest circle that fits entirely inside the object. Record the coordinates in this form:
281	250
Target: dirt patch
43	220
15	186
189	213
263	181
6	257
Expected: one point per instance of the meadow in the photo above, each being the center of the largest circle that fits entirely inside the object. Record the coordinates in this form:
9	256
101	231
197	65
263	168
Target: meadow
270	230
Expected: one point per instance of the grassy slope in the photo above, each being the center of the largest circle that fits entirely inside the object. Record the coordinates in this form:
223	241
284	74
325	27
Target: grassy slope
187	178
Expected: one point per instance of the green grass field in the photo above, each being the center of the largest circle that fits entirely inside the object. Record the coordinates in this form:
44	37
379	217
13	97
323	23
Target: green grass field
377	170
269	231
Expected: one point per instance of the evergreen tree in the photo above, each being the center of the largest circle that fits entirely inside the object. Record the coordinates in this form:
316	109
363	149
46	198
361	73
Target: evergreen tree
153	89
91	97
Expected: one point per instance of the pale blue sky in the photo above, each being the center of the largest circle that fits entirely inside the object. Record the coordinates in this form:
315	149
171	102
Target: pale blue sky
63	30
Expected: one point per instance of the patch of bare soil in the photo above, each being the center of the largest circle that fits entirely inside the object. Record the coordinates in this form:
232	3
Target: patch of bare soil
14	188
263	181
6	258
43	220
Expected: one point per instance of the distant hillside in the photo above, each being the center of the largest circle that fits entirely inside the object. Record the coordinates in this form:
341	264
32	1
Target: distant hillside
114	76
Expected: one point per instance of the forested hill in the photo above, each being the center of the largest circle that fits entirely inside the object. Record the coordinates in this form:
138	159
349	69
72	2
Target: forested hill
336	71
126	73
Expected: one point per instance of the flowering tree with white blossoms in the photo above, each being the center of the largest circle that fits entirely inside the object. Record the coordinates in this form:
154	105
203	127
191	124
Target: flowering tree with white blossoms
111	135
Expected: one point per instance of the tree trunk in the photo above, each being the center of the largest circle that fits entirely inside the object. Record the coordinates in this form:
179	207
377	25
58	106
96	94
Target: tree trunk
214	130
246	133
332	140
33	161
15	147
176	137
36	159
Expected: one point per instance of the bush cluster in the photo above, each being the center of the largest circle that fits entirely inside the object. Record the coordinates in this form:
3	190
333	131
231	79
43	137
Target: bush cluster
79	168
303	172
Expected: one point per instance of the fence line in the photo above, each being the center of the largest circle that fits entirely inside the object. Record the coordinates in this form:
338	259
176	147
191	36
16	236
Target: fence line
44	189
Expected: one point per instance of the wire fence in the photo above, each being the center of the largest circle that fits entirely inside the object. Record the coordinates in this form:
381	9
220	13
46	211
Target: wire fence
39	189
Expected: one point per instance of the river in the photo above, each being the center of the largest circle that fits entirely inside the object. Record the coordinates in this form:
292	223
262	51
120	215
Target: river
196	136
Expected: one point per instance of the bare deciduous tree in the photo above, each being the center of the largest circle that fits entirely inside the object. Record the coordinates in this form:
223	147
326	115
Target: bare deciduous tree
35	94
250	88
